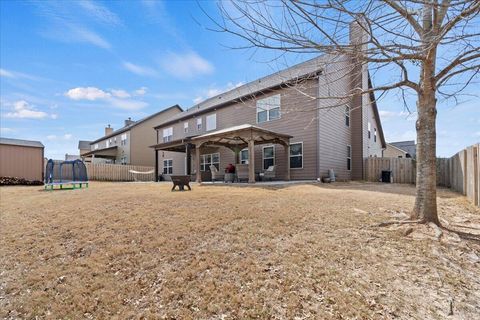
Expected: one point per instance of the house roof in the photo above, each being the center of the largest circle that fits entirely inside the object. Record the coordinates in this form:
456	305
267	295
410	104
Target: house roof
408	146
84	144
136	123
308	68
394	147
23	143
376	113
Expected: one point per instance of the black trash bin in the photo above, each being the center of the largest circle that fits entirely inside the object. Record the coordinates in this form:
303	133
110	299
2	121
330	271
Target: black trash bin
386	176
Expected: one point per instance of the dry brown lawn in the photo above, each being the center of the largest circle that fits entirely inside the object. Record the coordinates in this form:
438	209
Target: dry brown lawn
133	250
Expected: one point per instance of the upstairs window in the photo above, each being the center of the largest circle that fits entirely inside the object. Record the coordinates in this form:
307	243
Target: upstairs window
374	134
296	155
369	130
123	139
244	156
168	134
211	122
347	116
185	127
349	158
268	109
199	124
268	157
96	146
167	166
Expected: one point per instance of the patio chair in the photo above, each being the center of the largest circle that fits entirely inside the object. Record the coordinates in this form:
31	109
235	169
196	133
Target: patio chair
242	172
216	175
270	173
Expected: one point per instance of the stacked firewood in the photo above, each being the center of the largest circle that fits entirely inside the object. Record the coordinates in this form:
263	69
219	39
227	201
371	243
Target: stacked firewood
14	181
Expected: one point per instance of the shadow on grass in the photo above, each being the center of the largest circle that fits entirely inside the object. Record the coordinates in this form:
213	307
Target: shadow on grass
391	188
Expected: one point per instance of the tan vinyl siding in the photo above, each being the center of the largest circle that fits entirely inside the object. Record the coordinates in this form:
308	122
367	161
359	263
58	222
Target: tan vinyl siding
298	115
21	162
334	135
178	162
142	136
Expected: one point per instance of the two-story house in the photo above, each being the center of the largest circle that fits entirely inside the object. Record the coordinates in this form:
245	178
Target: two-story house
130	144
303	120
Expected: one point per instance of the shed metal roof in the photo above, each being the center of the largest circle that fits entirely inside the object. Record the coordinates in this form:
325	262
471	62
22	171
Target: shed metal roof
23	143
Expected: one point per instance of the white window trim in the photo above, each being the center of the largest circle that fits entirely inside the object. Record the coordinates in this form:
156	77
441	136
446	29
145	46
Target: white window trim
349	156
167	166
95	147
169	136
301	142
374	134
210	116
347	115
244	149
185	127
211	157
199	124
269	108
263	156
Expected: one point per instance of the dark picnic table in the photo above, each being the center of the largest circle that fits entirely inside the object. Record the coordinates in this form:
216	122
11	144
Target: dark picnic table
181	181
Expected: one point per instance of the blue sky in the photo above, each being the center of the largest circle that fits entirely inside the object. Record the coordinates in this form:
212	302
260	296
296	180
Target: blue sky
70	68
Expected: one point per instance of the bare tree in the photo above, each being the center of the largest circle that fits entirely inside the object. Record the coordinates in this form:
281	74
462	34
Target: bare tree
430	47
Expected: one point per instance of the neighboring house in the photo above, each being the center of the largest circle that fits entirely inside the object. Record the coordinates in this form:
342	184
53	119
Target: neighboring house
83	147
21	159
287	119
393	152
130	144
71	157
409	147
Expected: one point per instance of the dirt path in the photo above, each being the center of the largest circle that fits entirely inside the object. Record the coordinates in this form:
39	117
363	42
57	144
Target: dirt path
220	252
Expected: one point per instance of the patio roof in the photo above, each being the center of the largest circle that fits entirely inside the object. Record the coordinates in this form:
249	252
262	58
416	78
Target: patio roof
238	136
109	153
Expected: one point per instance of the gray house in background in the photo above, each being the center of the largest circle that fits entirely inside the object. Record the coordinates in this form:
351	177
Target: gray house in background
129	144
408	146
293	120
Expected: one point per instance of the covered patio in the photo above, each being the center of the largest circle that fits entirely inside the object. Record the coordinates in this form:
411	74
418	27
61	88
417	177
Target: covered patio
234	138
105	153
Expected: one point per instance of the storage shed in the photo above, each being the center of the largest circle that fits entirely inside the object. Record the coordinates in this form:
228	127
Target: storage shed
21	159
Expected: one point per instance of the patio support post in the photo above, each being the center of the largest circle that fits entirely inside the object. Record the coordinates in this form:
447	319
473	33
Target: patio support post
251	161
156	165
197	163
287	159
189	159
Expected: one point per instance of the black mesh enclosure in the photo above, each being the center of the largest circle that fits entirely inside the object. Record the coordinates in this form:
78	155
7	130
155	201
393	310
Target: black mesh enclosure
58	171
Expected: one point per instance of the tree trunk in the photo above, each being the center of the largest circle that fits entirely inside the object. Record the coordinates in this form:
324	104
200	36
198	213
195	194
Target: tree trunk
426	193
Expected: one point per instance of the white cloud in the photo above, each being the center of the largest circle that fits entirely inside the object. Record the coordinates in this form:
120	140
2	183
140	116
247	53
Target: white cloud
82	34
23	110
212	92
87	93
4	130
100	12
16	75
54	116
477	134
139	70
67	136
6	73
122	94
186	65
116	98
51	137
141	91
54	137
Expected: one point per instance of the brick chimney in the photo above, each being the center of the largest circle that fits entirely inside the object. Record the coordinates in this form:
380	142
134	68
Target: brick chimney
129	121
108	130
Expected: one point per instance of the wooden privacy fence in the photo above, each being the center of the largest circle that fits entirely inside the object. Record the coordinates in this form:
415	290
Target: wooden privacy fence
460	172
403	169
117	172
